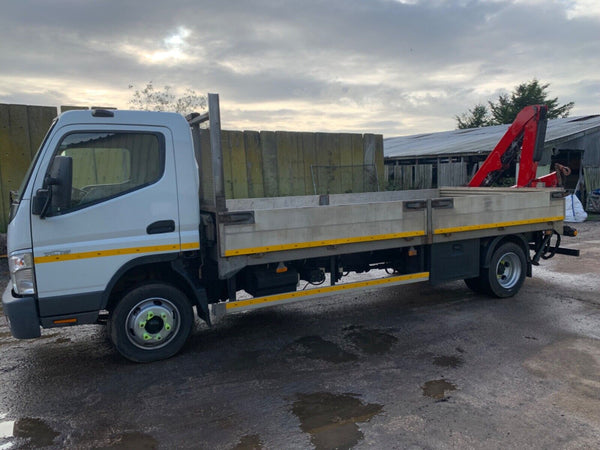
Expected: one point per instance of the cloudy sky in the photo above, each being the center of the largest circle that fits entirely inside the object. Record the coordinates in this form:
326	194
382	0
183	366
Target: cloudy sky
395	67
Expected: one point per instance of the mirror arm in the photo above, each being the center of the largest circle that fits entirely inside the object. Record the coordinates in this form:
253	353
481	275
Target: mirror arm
46	205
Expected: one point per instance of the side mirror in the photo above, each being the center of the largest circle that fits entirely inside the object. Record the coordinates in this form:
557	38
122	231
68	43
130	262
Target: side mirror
61	181
56	191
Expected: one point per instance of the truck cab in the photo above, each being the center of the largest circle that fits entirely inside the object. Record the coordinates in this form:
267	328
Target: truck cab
108	192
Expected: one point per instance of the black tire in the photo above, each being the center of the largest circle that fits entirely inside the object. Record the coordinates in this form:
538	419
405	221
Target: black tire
151	322
506	272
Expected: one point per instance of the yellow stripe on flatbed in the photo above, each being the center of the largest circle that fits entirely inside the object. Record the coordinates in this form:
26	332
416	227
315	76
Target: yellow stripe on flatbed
487	226
421	276
323	243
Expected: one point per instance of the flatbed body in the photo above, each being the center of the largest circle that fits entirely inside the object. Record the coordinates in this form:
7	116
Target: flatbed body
282	228
271	230
398	217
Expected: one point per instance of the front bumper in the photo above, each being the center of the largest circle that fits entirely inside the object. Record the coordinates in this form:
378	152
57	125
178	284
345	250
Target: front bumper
22	315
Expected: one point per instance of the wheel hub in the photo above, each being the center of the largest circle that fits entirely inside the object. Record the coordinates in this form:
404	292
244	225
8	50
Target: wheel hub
155	325
508	270
152	323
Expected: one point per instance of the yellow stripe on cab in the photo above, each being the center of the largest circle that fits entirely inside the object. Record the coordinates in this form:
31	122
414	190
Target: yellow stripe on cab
116	252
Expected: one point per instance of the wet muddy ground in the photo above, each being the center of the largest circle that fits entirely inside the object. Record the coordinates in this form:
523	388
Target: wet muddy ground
401	367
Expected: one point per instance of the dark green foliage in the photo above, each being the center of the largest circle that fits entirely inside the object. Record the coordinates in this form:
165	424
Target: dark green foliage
508	106
476	117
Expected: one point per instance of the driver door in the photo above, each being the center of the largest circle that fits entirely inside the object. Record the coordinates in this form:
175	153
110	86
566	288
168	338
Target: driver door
123	185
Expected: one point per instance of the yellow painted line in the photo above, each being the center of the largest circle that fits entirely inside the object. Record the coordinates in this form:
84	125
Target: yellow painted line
497	225
299	245
115	252
190	246
421	276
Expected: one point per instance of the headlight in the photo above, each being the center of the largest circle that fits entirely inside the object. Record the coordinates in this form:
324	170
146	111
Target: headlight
20	265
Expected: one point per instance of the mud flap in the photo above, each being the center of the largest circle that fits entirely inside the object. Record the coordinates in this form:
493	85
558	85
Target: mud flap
200	298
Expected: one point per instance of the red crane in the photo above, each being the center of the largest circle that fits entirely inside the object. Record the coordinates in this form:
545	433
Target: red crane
526	137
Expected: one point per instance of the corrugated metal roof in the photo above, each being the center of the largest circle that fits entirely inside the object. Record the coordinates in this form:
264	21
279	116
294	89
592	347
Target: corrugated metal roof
481	140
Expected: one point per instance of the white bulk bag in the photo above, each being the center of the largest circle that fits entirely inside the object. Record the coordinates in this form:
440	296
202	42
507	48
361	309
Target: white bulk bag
574	211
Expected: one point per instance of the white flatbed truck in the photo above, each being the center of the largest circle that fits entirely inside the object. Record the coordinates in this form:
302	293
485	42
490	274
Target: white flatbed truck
117	223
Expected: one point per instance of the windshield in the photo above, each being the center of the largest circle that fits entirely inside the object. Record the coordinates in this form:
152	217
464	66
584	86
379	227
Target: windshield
15	199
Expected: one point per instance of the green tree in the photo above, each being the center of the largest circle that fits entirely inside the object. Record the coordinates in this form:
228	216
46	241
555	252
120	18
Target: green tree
508	106
476	117
151	99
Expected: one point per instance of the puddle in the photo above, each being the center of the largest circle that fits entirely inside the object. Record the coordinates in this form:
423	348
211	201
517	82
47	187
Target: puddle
448	361
6	429
249	442
372	342
62	340
315	347
35	432
132	441
437	389
331	419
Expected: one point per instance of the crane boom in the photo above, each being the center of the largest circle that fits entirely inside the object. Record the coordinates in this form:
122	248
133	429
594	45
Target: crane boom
525	136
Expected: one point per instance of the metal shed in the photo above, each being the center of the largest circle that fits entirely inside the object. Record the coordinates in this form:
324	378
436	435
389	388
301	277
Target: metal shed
450	158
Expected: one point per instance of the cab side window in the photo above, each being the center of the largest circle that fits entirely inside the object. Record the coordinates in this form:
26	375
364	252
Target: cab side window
109	164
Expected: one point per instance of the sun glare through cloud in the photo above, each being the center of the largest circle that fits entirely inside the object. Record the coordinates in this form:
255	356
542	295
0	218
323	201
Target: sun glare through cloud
173	50
583	8
175	47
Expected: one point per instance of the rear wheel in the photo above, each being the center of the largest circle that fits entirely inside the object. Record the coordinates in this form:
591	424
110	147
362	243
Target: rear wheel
506	272
151	322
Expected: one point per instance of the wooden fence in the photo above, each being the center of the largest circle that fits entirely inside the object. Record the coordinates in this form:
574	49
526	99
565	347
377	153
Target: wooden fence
452	174
420	176
409	176
22	129
256	164
592	178
282	163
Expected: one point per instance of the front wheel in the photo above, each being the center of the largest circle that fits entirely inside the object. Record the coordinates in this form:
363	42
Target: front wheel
506	273
151	322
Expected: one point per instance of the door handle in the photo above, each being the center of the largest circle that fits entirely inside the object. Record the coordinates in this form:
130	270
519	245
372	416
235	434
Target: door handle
161	226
